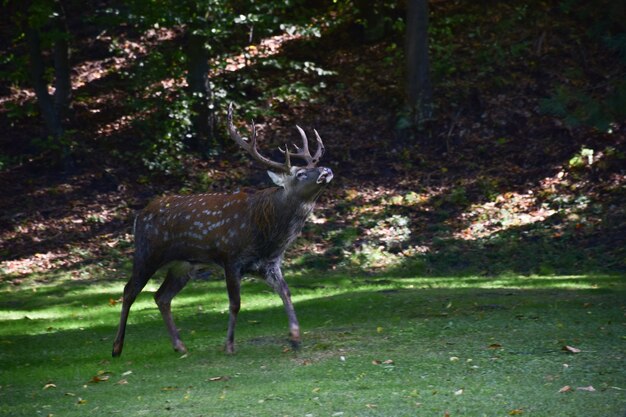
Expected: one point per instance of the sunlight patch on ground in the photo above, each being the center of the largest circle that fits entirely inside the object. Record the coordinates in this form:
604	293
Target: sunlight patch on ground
268	47
509	210
211	298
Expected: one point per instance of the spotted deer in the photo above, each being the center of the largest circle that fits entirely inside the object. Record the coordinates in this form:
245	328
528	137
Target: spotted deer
242	232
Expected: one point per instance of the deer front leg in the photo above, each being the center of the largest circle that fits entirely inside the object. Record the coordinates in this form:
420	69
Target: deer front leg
274	278
176	279
141	275
233	285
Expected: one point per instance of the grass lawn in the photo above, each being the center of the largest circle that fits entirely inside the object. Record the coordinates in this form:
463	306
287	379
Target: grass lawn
373	346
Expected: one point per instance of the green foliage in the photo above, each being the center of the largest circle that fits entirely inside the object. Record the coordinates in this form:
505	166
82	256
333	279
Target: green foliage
58	148
581	159
170	126
591	106
578	108
457	196
378	18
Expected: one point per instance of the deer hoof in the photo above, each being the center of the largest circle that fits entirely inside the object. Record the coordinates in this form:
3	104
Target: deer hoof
295	345
180	347
117	351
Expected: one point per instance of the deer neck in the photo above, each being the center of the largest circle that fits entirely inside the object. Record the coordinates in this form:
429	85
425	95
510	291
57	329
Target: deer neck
279	217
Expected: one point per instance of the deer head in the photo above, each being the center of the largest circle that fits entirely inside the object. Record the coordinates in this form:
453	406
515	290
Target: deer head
305	182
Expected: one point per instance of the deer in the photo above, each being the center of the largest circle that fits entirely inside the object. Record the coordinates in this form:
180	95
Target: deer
243	232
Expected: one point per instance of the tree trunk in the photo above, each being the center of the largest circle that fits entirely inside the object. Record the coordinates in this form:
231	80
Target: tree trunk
419	85
47	106
200	90
53	107
62	78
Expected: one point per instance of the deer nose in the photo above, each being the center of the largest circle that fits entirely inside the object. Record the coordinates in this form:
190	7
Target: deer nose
326	175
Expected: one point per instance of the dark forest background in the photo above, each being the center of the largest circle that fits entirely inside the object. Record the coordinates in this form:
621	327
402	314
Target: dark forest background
467	137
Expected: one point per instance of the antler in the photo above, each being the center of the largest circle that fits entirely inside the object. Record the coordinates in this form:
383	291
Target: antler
302	153
250	145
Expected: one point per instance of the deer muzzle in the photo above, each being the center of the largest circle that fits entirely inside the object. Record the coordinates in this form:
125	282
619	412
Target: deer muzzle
326	175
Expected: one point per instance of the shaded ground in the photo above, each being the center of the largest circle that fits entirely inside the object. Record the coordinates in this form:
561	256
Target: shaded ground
492	184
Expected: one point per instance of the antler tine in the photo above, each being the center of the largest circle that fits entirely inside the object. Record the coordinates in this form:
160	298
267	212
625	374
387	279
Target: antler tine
305	144
320	148
250	146
304	152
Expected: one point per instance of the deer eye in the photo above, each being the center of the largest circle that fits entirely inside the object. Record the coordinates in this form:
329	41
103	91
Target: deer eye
301	175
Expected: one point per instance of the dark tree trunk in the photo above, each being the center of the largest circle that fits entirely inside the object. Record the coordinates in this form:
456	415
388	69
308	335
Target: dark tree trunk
47	106
53	107
62	80
419	85
200	90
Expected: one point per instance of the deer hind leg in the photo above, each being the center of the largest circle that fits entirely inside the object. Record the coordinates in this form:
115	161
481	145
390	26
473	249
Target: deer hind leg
274	277
177	277
233	285
141	275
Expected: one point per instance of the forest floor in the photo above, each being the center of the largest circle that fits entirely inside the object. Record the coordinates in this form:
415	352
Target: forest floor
492	184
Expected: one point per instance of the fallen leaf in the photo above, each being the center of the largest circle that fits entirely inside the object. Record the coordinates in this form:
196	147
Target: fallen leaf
454	358
589	388
81	401
122	382
388	362
446	414
570	349
127	373
371	406
100	378
219	378
495	346
49	385
376	362
169	388
379	329
566	388
458	392
516	412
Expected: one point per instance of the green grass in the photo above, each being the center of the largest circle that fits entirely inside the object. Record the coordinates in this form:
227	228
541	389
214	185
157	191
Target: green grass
468	346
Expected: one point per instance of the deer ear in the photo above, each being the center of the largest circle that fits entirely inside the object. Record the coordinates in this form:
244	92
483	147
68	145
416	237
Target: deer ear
278	179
